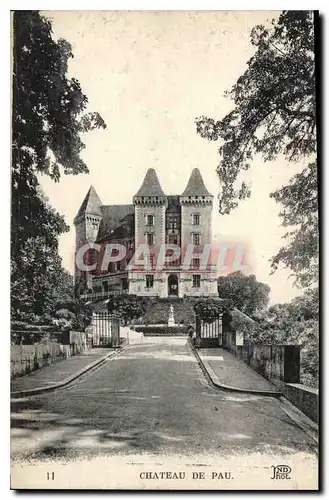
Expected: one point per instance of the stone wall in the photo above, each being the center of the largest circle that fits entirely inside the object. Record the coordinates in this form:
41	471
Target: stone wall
281	362
158	211
27	358
205	226
305	398
78	342
137	284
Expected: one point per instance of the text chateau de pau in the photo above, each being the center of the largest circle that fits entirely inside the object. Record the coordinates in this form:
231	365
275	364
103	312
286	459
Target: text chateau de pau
153	218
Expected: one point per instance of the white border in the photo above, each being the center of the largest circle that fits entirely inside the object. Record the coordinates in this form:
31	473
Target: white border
5	164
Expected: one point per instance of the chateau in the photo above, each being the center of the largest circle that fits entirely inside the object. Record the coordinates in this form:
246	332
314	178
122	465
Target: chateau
153	218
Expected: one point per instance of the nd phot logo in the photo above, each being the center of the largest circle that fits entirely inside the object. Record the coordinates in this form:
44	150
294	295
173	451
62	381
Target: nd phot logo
281	472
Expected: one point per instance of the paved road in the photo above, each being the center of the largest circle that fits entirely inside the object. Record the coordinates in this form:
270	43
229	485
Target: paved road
153	398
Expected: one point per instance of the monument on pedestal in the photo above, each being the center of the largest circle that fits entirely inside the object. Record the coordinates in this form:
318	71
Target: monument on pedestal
171	319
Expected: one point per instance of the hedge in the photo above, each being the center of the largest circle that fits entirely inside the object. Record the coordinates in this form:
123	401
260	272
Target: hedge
162	329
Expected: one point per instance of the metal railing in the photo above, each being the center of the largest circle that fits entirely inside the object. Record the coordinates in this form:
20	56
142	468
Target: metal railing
102	295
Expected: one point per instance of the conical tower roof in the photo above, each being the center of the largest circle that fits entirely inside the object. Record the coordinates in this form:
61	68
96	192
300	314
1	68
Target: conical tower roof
91	204
151	185
195	185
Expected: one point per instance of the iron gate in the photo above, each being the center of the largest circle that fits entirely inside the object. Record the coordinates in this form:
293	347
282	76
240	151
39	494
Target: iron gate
106	329
210	334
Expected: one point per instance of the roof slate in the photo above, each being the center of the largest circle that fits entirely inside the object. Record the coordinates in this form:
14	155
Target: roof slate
91	204
113	217
151	185
195	185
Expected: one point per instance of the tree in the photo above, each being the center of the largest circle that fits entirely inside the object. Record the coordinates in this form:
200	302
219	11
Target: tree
47	118
128	307
208	309
274	113
47	106
300	211
243	292
47	122
296	322
38	281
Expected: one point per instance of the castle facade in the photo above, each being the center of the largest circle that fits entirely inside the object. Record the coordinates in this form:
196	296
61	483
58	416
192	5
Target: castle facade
153	219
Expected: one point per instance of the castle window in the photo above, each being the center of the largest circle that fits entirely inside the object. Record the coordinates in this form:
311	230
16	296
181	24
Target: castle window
173	239
150	238
149	280
105	286
173	222
196	263
196	280
196	219
196	238
150	220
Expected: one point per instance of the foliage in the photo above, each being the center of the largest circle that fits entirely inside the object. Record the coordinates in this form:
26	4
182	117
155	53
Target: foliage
158	311
35	278
243	292
296	322
161	329
47	105
72	313
127	306
274	113
300	210
208	309
42	291
47	121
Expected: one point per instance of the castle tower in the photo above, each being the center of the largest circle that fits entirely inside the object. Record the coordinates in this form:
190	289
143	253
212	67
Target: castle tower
150	208
196	211
86	224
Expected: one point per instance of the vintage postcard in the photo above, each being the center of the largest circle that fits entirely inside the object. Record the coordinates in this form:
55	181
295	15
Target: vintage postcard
164	250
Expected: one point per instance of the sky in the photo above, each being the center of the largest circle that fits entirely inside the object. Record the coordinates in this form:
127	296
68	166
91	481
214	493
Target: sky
149	75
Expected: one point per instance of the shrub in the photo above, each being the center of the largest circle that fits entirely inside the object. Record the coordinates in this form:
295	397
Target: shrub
161	329
208	309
